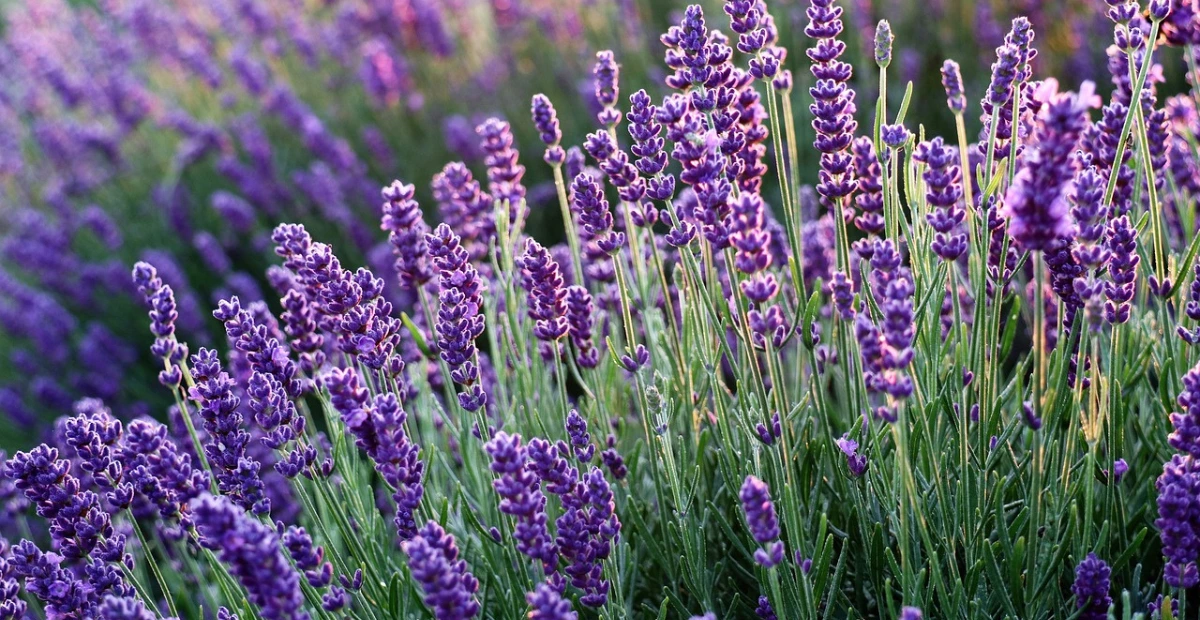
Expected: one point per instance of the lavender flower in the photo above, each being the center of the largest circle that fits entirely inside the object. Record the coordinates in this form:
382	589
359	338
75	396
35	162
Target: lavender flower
545	119
236	472
522	498
587	200
943	191
449	587
1179	519
542	279
251	552
953	83
161	300
504	173
833	106
579	326
459	319
760	517
465	208
606	74
855	461
1091	588
883	43
1036	202
308	558
581	441
910	613
406	232
549	604
764	610
1122	270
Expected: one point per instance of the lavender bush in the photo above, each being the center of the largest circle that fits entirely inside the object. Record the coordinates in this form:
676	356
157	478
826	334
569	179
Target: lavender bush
956	377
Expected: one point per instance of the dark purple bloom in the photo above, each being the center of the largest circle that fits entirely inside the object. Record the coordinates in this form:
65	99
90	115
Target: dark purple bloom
587	200
504	173
953	83
522	498
760	518
545	120
614	462
448	585
606	74
870	187
1122	270
466	208
1179	519
833	106
406	232
549	604
910	613
1091	588
309	559
459	319
235	471
251	553
581	441
855	461
161	300
764	610
579	326
1036	202
542	279
943	192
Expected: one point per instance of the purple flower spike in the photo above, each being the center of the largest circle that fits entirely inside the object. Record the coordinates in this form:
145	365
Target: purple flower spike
446	581
943	192
1091	588
1122	270
545	119
587	199
607	74
549	604
833	106
1036	202
855	461
459	318
953	83
503	171
910	613
580	309
406	232
522	498
251	552
542	279
236	471
163	314
760	518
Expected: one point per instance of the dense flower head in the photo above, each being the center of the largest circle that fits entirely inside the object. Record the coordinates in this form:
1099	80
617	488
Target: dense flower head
759	511
1036	202
943	192
235	471
521	497
466	208
1122	269
548	603
545	120
445	579
883	43
580	310
543	280
952	81
406	232
1091	588
252	553
1179	519
869	200
459	317
833	106
606	74
503	171
588	201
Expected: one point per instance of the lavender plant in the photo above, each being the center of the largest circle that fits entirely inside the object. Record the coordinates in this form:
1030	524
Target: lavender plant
937	384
